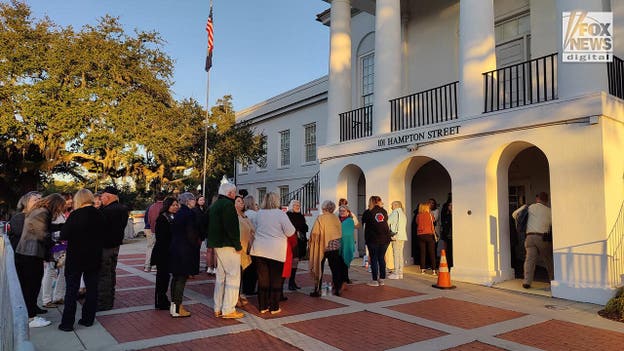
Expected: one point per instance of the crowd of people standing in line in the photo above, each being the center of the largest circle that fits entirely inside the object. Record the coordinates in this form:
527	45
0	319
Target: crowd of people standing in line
251	249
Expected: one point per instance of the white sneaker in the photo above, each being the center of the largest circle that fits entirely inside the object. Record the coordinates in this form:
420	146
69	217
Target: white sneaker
373	283
394	276
147	269
381	282
38	322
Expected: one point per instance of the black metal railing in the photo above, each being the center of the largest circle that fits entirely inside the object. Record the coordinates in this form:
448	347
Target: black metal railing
615	244
525	83
615	75
423	108
308	195
356	123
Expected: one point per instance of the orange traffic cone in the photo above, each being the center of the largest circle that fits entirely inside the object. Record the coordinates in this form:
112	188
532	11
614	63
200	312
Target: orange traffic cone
444	276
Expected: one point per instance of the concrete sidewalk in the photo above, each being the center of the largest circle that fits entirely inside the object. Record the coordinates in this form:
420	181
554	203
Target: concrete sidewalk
404	314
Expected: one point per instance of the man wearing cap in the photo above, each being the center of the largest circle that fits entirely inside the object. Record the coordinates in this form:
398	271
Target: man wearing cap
116	216
539	222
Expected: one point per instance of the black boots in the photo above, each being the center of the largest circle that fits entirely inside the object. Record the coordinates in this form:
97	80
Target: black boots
292	286
162	303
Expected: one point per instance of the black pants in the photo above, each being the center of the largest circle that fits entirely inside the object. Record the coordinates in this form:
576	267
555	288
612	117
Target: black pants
30	272
108	278
178	282
72	281
269	282
249	279
427	245
338	268
162	284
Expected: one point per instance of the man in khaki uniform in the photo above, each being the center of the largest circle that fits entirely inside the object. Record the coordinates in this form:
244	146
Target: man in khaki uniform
539	223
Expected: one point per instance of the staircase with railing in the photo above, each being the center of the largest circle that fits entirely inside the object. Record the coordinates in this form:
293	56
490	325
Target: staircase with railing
307	194
615	247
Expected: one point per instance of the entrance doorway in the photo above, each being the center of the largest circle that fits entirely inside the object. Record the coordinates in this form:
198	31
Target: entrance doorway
431	181
528	175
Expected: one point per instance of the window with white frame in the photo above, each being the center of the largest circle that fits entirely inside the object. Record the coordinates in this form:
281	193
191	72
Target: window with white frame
262	163
310	142
285	148
367	63
261	194
244	166
283	192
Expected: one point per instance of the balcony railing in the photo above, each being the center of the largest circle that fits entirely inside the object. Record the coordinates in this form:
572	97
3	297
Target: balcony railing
525	83
356	123
615	74
426	107
308	195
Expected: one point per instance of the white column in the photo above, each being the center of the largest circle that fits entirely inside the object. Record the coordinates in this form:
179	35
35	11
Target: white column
476	53
339	96
388	53
577	78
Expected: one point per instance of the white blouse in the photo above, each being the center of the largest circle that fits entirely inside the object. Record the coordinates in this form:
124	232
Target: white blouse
272	229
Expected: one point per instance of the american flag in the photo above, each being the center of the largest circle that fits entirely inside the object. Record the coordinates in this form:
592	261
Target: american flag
210	30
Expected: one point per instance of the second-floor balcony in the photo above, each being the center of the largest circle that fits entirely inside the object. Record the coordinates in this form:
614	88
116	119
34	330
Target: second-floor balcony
424	108
525	83
522	84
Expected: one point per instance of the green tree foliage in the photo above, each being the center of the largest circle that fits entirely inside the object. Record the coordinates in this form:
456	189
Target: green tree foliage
228	142
98	101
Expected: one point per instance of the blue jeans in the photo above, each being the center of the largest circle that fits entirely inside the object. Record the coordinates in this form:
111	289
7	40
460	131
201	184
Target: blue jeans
377	261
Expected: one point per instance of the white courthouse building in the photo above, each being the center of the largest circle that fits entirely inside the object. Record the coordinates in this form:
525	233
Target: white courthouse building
469	97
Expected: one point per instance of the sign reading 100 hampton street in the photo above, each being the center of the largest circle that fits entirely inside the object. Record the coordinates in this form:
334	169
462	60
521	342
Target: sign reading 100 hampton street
418	136
587	36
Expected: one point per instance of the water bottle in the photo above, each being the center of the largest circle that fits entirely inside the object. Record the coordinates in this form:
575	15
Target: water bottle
330	291
324	289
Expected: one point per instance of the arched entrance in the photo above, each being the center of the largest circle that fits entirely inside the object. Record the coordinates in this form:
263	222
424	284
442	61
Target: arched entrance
352	186
430	181
528	175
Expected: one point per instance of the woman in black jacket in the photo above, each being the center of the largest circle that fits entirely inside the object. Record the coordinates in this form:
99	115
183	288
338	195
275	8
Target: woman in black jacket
160	253
183	252
83	231
377	237
299	252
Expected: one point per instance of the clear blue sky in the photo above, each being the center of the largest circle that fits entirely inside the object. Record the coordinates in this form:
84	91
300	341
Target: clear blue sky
262	47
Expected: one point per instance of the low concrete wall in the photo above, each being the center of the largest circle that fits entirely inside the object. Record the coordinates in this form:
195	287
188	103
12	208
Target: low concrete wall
14	333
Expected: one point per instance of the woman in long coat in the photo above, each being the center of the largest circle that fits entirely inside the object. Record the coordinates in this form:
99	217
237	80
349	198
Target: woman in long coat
160	253
183	253
325	244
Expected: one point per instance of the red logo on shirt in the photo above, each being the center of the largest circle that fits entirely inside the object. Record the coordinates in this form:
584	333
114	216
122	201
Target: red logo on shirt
379	217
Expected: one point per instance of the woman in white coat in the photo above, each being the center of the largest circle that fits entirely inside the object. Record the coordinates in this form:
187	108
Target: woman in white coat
397	221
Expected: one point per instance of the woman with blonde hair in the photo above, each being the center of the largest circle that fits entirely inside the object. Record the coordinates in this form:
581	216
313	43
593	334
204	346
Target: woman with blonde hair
247	232
268	252
397	221
33	248
425	232
83	232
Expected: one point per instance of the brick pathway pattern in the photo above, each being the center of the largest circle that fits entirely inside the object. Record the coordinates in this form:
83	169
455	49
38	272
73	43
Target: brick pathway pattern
406	314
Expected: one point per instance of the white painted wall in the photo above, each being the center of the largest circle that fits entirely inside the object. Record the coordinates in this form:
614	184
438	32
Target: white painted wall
478	167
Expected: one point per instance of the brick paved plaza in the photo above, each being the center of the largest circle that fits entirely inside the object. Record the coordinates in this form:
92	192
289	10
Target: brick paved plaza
402	315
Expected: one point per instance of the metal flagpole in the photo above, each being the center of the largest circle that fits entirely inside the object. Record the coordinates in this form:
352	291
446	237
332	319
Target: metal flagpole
206	120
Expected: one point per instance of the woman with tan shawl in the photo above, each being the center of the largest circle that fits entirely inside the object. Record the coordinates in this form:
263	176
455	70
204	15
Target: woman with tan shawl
247	231
325	244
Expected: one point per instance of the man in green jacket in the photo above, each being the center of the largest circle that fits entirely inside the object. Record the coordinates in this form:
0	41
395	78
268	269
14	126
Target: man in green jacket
224	237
